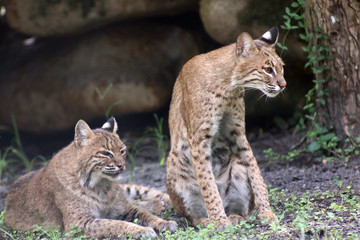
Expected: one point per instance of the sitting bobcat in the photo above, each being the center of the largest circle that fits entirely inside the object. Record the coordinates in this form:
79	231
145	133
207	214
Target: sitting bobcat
212	174
79	188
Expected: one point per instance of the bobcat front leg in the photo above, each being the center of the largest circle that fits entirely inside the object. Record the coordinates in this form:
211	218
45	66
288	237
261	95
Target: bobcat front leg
148	219
201	155
261	196
243	150
109	228
103	228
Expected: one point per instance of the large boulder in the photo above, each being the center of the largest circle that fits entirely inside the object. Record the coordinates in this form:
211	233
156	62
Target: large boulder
225	20
56	17
122	69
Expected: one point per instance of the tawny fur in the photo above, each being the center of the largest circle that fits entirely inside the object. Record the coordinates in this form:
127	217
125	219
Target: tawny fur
212	174
79	188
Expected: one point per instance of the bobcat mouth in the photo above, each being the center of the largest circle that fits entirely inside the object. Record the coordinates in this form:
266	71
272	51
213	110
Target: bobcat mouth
273	91
112	173
113	170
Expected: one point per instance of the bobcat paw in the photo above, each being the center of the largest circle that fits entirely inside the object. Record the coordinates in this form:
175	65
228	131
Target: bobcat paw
166	225
202	222
166	201
219	224
155	206
268	216
147	232
235	219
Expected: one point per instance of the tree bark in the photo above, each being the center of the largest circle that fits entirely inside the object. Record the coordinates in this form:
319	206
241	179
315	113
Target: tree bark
340	20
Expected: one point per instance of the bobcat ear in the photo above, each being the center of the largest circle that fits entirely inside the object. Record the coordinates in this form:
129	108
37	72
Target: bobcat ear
244	45
270	37
110	125
83	133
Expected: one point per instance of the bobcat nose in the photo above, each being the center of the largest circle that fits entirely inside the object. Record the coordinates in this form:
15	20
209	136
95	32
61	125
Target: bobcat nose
282	84
121	166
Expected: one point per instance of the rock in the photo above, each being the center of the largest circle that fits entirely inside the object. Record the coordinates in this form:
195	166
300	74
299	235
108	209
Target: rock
220	19
55	17
225	20
125	69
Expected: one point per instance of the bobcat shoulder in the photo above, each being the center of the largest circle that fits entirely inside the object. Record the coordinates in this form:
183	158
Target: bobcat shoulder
212	174
79	188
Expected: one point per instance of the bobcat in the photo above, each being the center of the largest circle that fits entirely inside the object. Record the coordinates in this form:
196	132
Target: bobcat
211	172
79	188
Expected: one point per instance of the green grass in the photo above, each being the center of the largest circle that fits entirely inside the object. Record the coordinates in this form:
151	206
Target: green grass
132	153
14	155
156	135
161	139
319	215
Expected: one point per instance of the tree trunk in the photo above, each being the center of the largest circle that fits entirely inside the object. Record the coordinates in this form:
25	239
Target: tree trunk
340	20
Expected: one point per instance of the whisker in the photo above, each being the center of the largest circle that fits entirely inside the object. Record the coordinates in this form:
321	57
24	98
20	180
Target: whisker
262	95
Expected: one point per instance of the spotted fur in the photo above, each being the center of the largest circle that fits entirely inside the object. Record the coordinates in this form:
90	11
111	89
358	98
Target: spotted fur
79	188
212	174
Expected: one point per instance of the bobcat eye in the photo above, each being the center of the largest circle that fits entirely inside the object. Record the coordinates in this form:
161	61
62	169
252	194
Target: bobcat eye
107	154
268	69
122	151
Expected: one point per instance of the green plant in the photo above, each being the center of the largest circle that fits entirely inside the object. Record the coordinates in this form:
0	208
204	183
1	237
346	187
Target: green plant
273	156
319	139
40	233
331	214
76	233
17	148
157	133
15	153
102	96
3	229
329	146
3	161
316	54
7	233
108	110
294	19
133	151
54	234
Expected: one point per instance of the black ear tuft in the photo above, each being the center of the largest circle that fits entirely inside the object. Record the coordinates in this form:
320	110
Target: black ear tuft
271	36
110	125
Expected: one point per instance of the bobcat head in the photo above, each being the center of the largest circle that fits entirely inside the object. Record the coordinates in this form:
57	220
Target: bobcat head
100	153
257	64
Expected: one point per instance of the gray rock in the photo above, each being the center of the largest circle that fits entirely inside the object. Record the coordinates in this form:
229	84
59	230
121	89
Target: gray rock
225	20
49	18
125	69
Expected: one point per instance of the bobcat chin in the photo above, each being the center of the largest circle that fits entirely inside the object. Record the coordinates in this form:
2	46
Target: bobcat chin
211	172
79	188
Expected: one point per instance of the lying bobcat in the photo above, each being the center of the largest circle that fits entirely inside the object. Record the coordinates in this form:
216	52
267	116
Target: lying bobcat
79	188
212	174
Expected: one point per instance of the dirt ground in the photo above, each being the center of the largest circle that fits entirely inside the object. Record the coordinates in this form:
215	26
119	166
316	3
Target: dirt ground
295	177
